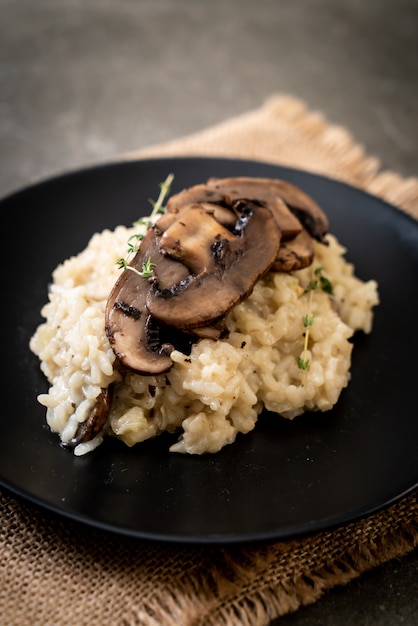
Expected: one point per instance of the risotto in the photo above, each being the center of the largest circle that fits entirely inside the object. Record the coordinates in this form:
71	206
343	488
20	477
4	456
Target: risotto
218	387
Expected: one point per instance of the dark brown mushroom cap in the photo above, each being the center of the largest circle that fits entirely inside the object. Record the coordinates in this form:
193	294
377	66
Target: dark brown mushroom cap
308	212
200	193
96	419
128	324
298	216
303	206
236	264
134	334
226	191
294	254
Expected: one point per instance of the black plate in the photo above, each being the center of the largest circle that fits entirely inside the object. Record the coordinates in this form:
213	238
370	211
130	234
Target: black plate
284	479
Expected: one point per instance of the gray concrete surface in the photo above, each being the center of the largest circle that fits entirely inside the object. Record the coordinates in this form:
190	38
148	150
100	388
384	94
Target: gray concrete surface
82	81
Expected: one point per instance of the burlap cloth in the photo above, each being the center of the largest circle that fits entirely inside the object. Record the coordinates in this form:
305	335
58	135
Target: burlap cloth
54	572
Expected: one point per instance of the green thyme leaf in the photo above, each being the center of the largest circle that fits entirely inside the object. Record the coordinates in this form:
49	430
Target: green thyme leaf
308	320
147	267
326	285
134	247
324	282
121	263
303	364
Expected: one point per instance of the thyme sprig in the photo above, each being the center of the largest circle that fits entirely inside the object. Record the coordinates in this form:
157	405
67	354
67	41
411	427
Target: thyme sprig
145	272
158	206
134	240
319	281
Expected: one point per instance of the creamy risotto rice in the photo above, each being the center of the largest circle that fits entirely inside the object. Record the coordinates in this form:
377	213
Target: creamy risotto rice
220	388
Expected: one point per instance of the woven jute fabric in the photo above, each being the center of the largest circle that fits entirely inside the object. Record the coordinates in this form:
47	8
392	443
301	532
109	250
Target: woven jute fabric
55	572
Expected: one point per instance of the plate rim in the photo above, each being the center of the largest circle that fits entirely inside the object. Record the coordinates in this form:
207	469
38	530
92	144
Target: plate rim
273	535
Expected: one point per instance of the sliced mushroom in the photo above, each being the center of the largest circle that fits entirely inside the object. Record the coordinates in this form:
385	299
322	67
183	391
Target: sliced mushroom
296	249
96	419
308	212
129	327
294	254
235	266
222	214
192	237
201	193
303	206
260	191
209	248
227	191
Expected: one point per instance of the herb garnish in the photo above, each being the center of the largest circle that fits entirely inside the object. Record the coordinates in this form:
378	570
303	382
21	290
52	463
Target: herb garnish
134	240
158	206
322	282
146	271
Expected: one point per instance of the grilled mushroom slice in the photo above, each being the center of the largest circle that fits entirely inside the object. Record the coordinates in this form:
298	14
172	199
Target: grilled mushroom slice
303	206
191	239
294	254
222	214
130	329
95	421
220	192
229	265
209	248
308	212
